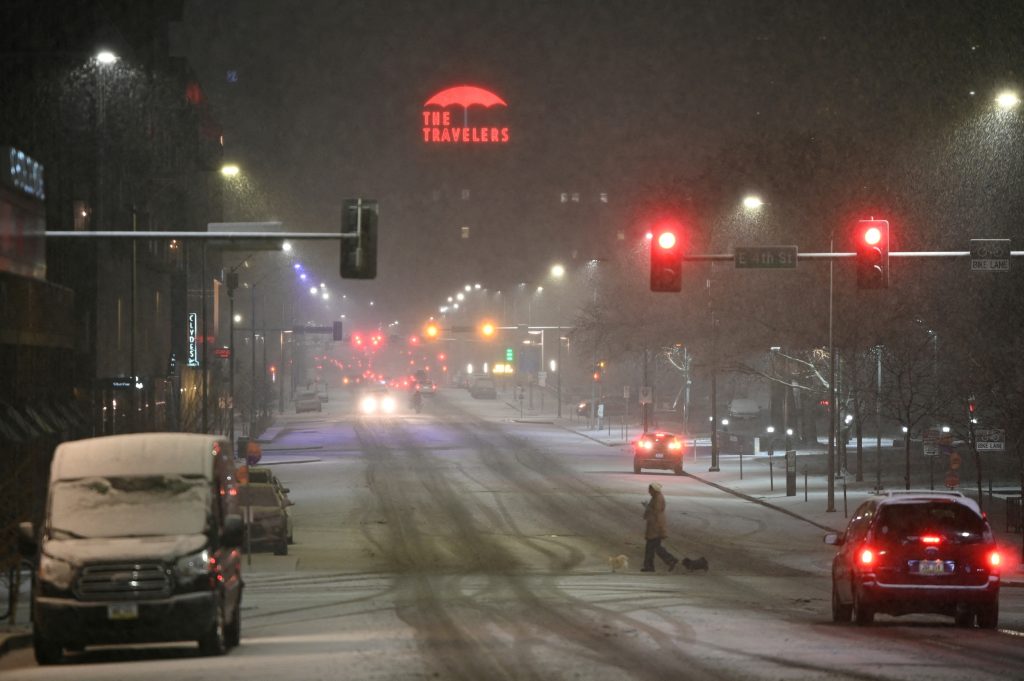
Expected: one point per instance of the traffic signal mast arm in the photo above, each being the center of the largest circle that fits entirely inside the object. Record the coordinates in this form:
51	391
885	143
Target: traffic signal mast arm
730	257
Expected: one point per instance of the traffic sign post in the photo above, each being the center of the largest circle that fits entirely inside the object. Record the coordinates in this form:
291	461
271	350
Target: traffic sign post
990	255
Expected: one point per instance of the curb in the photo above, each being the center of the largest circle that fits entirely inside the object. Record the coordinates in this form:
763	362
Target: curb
15	641
592	438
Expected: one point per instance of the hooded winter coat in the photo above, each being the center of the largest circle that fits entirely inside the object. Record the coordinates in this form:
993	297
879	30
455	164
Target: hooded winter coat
654	514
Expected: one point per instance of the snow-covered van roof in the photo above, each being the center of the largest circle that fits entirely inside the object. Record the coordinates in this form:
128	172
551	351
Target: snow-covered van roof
136	454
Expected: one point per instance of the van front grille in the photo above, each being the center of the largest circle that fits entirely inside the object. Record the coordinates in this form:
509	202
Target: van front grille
123	582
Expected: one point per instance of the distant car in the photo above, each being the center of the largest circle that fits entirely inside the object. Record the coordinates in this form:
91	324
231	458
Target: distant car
613	406
377	400
658	450
917	552
426	387
483	389
307	402
270	524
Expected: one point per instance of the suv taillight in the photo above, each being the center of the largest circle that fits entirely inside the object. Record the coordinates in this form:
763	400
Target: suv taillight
866	557
994	559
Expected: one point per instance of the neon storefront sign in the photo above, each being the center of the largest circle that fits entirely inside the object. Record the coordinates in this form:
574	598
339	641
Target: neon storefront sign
440	127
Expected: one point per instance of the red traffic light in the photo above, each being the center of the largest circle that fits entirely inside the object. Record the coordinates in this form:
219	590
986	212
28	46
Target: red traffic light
667	258
872	242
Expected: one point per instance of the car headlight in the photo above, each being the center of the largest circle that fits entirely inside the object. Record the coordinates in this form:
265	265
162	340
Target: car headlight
193	566
55	571
387	405
368	405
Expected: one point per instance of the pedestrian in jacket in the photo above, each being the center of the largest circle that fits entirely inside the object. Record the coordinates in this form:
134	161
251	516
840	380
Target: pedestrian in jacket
654	514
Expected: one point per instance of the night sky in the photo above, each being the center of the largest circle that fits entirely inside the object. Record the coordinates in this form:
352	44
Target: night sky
628	98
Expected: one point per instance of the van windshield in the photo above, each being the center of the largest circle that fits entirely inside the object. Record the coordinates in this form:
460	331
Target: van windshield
146	506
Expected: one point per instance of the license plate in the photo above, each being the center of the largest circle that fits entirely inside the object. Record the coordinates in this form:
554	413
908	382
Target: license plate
659	455
123	611
931	567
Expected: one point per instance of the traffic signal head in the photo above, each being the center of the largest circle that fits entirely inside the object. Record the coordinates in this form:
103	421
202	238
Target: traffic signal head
872	241
359	239
666	260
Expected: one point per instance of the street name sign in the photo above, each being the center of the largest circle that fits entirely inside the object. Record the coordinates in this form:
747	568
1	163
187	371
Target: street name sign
990	440
765	257
990	255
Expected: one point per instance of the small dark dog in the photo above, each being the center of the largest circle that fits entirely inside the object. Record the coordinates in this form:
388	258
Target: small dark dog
696	564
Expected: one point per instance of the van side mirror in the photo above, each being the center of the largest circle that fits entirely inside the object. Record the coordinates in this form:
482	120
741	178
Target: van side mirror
834	539
27	545
233	532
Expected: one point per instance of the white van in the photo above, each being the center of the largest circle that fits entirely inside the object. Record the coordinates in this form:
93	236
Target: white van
140	543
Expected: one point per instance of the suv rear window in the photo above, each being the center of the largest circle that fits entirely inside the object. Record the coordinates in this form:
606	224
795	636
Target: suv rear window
908	521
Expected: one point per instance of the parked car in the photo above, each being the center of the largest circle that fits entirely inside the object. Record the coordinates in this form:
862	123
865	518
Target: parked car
483	389
307	401
263	475
658	450
270	523
139	543
917	552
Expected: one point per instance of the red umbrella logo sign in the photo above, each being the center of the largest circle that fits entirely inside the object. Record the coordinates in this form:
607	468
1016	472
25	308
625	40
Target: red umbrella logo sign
437	123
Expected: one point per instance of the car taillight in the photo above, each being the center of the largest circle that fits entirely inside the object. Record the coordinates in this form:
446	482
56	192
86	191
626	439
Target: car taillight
675	444
931	539
646	444
866	557
994	559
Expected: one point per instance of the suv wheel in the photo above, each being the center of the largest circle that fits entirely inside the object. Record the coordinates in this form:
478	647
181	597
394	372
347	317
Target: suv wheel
636	466
678	468
47	651
840	612
988	615
863	614
214	641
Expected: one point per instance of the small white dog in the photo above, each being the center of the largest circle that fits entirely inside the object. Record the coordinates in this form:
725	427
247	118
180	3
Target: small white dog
619	562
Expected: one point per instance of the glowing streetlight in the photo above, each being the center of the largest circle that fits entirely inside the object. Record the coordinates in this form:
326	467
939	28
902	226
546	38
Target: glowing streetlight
752	202
238	318
1007	100
286	247
326	295
106	57
230	170
557	271
313	290
468	288
460	296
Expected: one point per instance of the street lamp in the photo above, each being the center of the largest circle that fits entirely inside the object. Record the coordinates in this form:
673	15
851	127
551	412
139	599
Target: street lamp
752	202
558	271
1007	100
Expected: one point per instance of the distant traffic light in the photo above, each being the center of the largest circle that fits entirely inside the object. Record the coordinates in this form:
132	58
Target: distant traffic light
872	238
666	260
359	238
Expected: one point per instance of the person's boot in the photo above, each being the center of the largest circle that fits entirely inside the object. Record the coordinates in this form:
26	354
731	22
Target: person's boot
672	565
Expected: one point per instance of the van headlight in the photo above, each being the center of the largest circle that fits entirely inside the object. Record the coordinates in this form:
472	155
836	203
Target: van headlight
55	571
193	566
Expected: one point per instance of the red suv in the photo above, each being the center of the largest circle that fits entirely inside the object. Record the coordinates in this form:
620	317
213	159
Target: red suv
658	450
916	552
